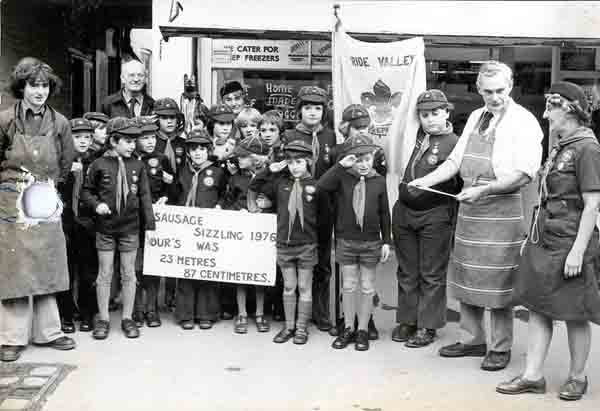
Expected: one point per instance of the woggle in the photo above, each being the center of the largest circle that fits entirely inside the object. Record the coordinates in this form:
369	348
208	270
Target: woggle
40	201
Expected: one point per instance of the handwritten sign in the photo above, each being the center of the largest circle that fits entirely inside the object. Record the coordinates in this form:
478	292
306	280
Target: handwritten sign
213	245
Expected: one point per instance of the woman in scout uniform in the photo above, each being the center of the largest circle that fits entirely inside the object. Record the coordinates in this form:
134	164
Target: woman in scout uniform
362	231
35	143
200	184
423	224
311	106
498	153
291	186
559	277
157	166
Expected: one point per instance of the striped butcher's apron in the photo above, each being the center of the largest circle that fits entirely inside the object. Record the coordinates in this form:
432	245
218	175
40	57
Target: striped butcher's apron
489	232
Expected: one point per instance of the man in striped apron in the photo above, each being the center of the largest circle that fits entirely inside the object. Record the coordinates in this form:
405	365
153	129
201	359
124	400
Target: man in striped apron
498	153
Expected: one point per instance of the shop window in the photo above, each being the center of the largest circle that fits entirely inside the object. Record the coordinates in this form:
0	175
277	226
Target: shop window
277	90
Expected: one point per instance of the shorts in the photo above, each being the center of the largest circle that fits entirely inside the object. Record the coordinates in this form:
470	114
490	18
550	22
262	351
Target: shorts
124	242
353	252
302	256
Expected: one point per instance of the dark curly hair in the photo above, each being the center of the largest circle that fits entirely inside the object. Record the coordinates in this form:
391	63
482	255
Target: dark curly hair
29	70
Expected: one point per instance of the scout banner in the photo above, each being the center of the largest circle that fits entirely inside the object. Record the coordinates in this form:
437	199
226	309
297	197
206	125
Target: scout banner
386	78
211	244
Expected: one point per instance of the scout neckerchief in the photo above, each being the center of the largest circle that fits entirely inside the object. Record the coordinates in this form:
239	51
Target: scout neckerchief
359	195
296	205
578	134
169	152
122	184
301	127
191	197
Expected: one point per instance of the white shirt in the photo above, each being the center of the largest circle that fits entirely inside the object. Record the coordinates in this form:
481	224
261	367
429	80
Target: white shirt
518	141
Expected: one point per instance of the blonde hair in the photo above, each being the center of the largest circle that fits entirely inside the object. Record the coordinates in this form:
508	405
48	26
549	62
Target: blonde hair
248	115
493	68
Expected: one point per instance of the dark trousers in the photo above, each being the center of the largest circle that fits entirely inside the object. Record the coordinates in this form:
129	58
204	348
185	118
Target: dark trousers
422	240
82	260
227	299
322	271
197	300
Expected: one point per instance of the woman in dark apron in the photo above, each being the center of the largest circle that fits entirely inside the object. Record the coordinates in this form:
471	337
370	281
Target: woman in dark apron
36	151
559	272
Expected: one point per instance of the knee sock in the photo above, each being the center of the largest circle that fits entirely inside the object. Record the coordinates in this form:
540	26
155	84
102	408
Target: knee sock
241	301
128	298
366	307
304	313
289	308
103	296
349	304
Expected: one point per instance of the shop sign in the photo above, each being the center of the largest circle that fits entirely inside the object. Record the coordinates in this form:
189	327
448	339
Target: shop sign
272	54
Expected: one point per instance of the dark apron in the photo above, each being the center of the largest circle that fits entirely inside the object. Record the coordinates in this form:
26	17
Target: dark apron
489	232
33	258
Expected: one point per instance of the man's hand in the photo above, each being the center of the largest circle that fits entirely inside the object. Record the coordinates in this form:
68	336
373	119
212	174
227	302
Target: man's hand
103	209
385	253
348	161
472	194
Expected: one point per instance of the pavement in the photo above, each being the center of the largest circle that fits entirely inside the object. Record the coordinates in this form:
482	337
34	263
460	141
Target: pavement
172	369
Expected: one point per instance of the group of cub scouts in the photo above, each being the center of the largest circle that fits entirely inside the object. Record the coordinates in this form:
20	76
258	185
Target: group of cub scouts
236	158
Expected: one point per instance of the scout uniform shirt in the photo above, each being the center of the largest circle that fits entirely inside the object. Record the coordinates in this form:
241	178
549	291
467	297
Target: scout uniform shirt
279	187
210	188
430	151
101	187
376	220
176	157
156	164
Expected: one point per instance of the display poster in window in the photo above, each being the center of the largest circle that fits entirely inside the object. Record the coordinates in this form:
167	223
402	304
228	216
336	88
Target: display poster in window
274	54
281	95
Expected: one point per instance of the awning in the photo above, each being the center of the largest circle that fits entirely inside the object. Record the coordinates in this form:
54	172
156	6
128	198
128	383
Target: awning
497	22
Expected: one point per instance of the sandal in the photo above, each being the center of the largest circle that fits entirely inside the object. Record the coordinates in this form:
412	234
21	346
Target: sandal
241	324
262	324
283	336
301	336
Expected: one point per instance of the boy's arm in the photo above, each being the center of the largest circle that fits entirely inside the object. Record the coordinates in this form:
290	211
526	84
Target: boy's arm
330	181
89	193
145	196
385	220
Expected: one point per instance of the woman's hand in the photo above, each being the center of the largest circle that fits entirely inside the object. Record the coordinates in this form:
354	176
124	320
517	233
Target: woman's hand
385	253
103	209
573	263
472	194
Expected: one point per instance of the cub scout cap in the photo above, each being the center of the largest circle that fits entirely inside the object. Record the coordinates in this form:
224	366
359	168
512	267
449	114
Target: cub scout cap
298	147
356	115
166	107
123	125
147	124
312	94
358	145
432	99
250	145
221	113
230	87
198	137
81	124
96	116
